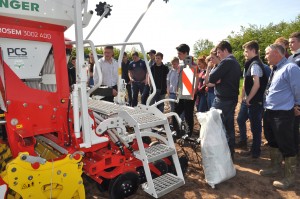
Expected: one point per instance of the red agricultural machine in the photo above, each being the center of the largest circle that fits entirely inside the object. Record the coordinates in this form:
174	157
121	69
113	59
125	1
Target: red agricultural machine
51	136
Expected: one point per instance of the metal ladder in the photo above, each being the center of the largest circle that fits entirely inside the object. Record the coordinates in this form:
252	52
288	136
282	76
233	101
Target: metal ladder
142	118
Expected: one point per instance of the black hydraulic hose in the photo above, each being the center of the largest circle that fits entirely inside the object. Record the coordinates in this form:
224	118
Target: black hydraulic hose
68	123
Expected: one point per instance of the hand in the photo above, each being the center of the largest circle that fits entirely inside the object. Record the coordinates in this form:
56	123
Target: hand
297	110
114	92
247	101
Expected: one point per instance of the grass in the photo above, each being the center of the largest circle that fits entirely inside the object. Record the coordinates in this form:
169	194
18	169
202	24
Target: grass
241	86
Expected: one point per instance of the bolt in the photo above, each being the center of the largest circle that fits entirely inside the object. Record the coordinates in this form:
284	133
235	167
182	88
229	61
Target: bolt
24	157
13	169
40	107
80	182
16	178
58	172
15	183
30	177
64	174
54	109
112	122
25	104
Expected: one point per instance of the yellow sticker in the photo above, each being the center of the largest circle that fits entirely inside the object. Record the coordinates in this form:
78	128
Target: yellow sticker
19	126
2	115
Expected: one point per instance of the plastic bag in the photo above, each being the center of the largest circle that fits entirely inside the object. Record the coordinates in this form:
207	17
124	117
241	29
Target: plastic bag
216	157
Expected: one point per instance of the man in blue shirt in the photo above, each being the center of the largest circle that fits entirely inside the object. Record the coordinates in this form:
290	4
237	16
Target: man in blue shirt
281	95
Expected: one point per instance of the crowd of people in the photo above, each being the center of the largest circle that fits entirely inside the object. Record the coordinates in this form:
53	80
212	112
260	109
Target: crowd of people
270	94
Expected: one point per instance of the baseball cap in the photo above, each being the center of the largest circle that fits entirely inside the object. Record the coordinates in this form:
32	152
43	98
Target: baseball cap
151	51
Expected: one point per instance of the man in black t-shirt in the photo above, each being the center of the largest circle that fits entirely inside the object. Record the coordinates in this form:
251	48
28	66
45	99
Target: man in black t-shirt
159	72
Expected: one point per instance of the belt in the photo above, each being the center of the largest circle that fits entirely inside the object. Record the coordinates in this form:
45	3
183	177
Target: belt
278	111
115	86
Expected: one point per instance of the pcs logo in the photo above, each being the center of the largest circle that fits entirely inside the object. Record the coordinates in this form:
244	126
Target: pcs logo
16	52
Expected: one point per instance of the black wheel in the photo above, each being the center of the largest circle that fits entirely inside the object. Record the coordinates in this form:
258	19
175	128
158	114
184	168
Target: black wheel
184	163
161	166
146	139
124	185
104	185
142	175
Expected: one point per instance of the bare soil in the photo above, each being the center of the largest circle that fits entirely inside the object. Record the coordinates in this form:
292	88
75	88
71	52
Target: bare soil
246	184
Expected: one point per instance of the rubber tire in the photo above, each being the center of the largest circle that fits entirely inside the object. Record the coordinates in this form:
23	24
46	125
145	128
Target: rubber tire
161	166
116	185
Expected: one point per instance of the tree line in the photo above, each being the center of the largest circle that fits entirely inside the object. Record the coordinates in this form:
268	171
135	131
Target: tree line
264	35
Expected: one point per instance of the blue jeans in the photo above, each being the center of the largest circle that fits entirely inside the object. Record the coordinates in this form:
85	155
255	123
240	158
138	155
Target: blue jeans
172	104
129	94
210	99
145	94
241	120
157	97
255	116
136	87
227	107
202	106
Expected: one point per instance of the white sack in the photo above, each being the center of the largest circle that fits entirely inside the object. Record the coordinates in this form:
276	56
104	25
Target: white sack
216	158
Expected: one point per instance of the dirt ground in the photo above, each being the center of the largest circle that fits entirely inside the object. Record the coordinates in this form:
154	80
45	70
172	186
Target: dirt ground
246	184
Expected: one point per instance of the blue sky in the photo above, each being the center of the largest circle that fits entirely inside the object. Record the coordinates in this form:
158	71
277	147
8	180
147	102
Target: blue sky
165	26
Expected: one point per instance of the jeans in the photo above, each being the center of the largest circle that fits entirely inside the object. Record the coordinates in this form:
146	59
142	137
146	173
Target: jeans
91	82
227	107
202	106
210	99
172	104
279	131
157	97
136	87
129	94
241	120
255	116
145	94
186	106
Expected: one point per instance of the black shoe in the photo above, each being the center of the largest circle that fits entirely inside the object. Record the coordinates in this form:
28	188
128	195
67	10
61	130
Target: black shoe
248	154
245	153
241	145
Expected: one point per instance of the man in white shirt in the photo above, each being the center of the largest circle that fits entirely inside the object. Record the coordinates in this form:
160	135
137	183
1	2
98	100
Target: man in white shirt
109	72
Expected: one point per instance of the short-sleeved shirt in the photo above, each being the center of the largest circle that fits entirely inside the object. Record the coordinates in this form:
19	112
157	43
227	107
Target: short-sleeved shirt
138	70
256	70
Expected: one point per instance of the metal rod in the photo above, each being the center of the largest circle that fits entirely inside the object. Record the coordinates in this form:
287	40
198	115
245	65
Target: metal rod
96	25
